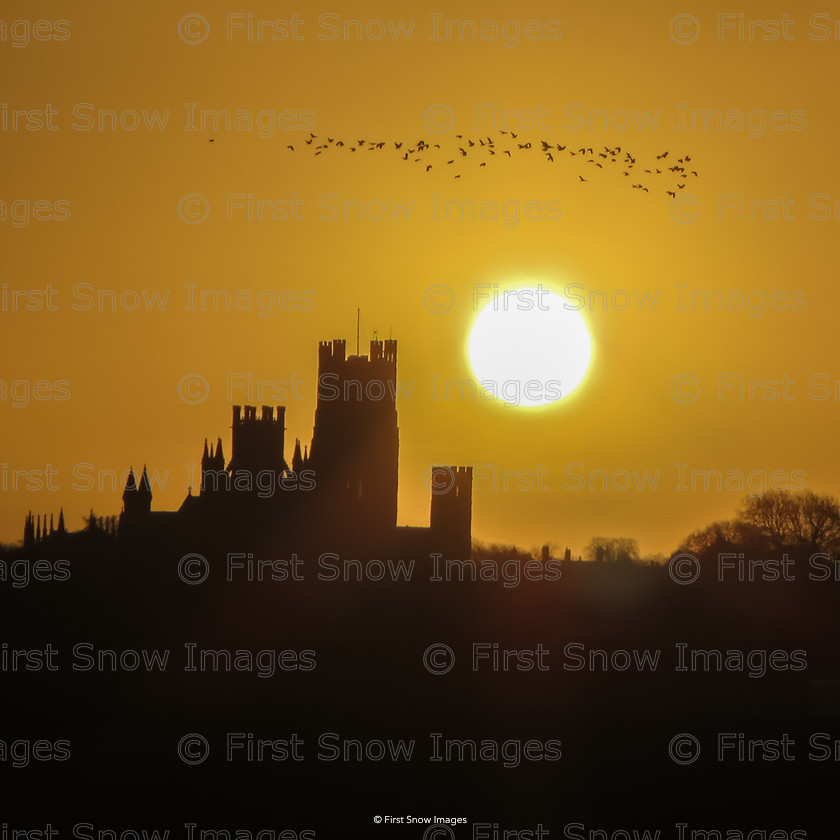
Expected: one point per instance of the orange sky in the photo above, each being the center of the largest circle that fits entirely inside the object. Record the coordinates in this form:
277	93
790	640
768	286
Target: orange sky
109	217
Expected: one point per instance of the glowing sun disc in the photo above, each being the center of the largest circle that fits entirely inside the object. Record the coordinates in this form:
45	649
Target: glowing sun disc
529	347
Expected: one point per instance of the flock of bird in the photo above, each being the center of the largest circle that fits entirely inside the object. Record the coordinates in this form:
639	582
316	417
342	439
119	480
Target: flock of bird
483	150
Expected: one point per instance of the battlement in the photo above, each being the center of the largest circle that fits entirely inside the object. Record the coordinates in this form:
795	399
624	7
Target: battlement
451	480
334	353
384	350
250	416
257	440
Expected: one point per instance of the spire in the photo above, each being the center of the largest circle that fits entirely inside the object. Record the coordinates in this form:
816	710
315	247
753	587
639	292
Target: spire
61	528
29	531
38	529
220	457
297	459
205	450
145	488
130	484
52	530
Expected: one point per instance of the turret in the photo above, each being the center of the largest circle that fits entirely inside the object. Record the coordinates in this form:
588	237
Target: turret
213	475
145	491
29	531
137	500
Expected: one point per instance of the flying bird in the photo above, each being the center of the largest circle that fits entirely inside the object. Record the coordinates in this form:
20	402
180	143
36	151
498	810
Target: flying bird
426	153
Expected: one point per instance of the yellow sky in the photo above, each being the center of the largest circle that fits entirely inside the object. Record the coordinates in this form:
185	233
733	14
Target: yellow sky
116	207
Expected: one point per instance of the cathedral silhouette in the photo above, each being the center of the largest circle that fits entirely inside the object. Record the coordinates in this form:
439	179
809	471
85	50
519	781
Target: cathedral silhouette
338	494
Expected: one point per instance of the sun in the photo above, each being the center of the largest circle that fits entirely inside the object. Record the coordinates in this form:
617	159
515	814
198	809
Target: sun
529	347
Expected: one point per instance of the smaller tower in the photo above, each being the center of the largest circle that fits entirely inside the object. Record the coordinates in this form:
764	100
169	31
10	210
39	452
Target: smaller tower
451	513
257	440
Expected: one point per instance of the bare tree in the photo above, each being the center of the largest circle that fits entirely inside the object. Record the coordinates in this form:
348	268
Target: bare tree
612	549
725	534
803	520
